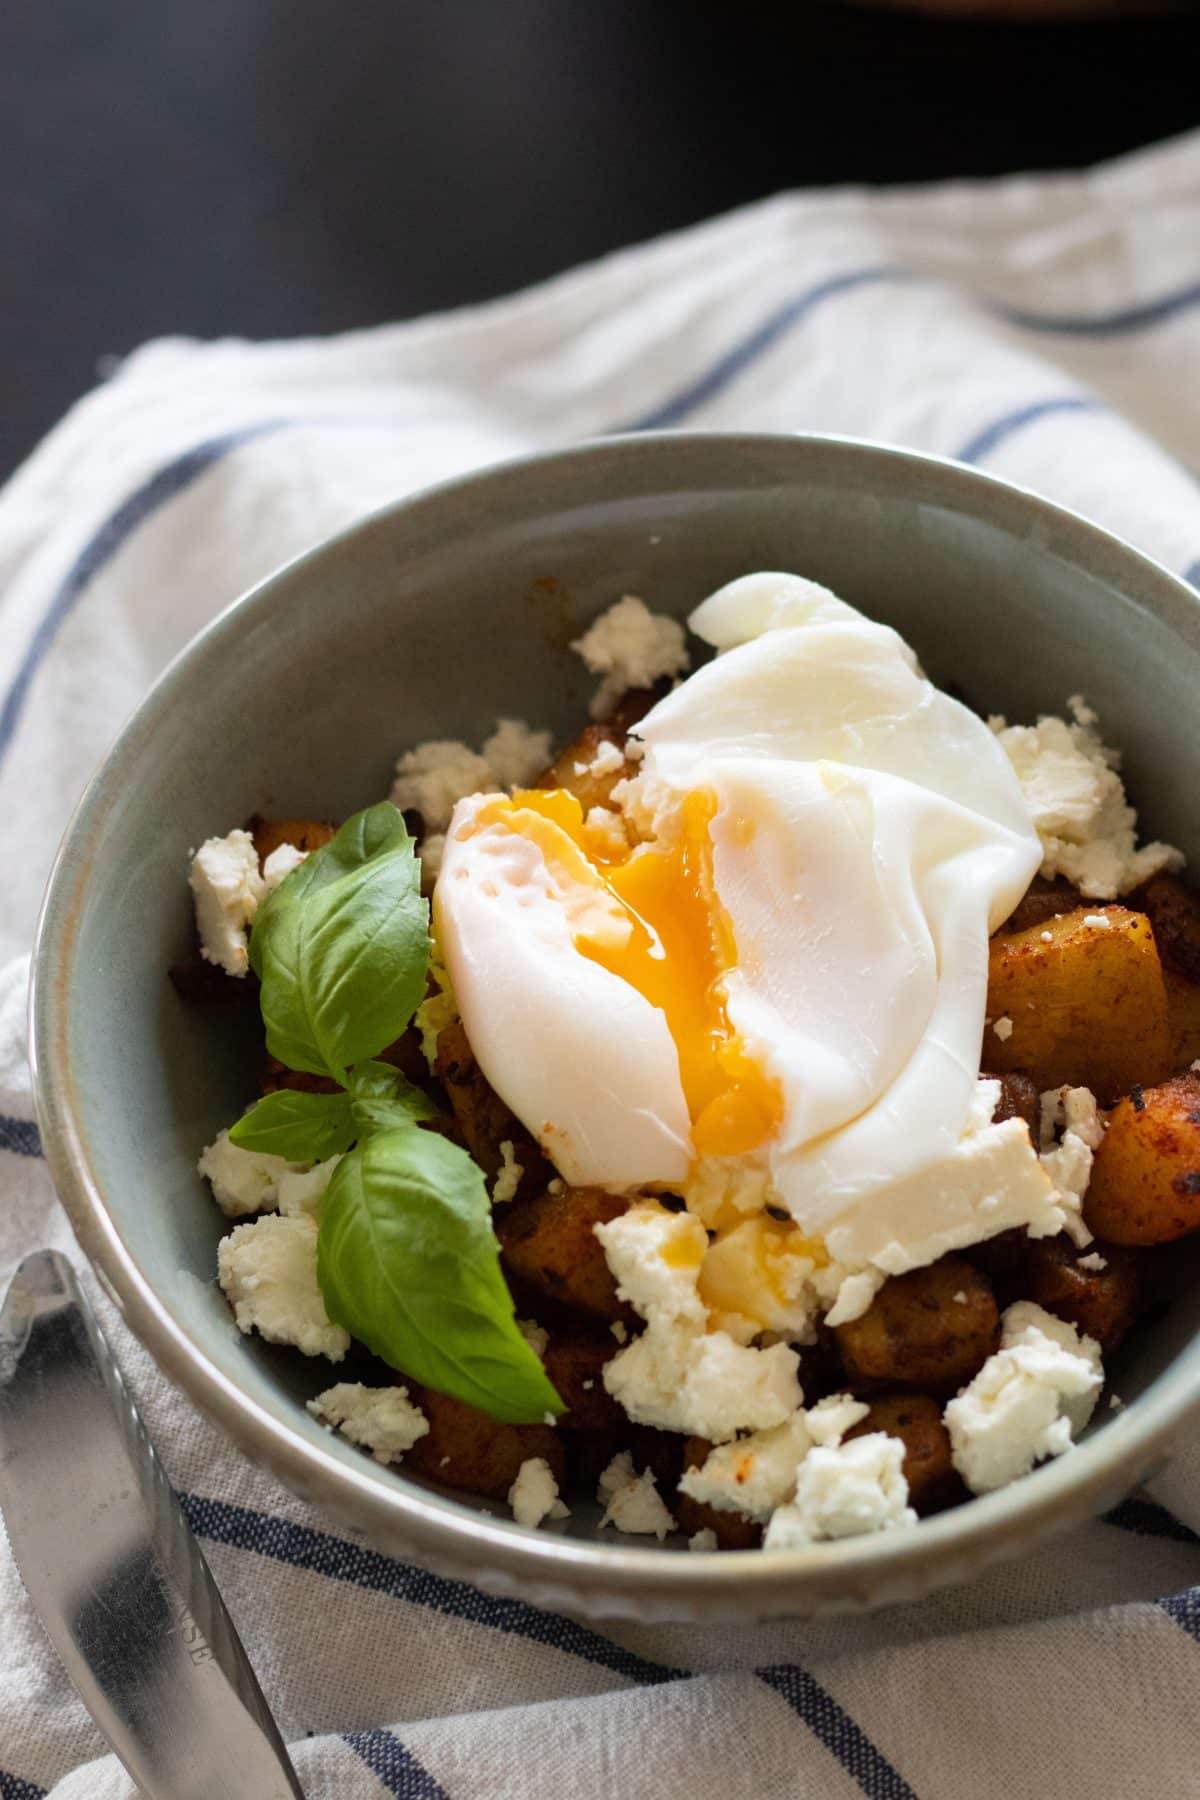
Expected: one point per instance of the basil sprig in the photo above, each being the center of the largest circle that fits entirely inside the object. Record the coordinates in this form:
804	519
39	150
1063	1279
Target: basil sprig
406	1256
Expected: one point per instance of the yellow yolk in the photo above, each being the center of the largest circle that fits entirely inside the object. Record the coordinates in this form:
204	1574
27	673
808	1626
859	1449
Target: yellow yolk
677	951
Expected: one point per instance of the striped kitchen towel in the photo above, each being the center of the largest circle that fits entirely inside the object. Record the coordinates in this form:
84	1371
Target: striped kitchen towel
1046	329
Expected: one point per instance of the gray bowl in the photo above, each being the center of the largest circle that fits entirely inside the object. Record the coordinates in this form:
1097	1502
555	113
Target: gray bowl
429	620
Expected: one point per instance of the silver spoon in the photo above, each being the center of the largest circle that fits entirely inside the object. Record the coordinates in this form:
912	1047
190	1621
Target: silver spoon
111	1564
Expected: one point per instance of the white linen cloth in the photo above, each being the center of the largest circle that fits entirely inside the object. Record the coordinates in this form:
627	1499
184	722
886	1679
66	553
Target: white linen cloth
1047	329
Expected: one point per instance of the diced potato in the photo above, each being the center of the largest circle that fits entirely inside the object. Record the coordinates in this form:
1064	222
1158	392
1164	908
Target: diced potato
1042	901
465	1449
1183	1018
932	1328
571	768
733	1530
1174	912
916	1419
1087	1003
1101	1302
575	1365
305	834
549	1245
277	1075
1019	1099
1145	1186
485	1120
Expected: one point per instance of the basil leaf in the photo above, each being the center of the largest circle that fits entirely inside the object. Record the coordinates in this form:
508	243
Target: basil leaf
341	948
408	1264
304	1128
383	1099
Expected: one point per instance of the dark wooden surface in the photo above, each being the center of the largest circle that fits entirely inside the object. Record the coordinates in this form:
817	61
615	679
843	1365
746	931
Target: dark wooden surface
270	167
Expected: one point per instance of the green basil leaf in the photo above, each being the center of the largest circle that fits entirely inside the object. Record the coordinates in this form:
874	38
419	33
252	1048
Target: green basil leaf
408	1264
383	1099
341	948
305	1128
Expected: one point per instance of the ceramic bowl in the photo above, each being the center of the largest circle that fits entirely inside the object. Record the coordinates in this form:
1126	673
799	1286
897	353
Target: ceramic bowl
430	619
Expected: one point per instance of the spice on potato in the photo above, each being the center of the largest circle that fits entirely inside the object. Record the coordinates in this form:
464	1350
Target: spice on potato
1101	1302
1145	1186
916	1419
548	1243
1087	1003
465	1449
932	1328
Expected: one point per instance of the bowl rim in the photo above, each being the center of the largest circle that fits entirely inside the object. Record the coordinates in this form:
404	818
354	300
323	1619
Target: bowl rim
595	1577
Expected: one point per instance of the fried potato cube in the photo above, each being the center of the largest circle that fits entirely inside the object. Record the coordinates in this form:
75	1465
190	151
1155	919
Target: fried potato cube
1183	1018
1103	1303
548	1243
916	1419
304	834
572	767
1174	912
485	1120
1041	902
733	1530
1087	1003
276	1075
1019	1099
932	1328
465	1449
575	1365
1145	1186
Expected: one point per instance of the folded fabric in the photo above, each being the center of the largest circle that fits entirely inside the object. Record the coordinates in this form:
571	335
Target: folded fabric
1047	329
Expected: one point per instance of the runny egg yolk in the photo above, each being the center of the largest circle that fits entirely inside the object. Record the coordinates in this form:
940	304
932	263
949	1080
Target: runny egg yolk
677	952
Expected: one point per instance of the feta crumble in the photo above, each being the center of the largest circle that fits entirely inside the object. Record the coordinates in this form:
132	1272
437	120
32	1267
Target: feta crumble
535	1335
383	1420
1068	1162
1003	1028
515	753
533	1496
1098	921
1028	1402
631	647
702	1383
436	775
1095	1263
243	1181
703	1540
268	1272
844	1491
752	1475
227	888
301	1191
508	1175
655	1257
1076	800
632	1503
279	865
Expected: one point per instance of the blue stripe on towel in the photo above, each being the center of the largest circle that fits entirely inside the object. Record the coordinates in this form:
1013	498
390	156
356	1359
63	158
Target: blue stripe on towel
987	440
1184	1608
838	1732
21	1137
13	1788
1145	1519
748	349
1110	324
397	1767
320	1552
103	546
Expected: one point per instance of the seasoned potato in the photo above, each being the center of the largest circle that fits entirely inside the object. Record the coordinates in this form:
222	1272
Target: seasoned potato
305	834
1174	912
1101	1302
575	1365
277	1075
571	768
485	1120
1087	1003
734	1531
916	1419
1183	1018
465	1449
932	1328
1019	1099
1042	901
549	1244
1145	1186
659	1451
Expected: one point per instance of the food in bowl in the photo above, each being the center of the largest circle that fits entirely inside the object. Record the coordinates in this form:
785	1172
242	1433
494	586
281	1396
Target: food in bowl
770	1138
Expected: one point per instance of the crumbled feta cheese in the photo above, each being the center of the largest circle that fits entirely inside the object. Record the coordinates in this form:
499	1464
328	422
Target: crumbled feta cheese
279	865
755	1474
1115	1403
852	1294
515	754
1095	1262
703	1540
1003	1028
845	1491
508	1175
1100	921
655	1256
757	1277
960	1298
227	888
243	1181
383	1420
533	1496
702	1383
435	776
1027	1402
535	1335
608	759
618	1327
1047	937
1077	802
830	1419
1072	1109
301	1191
1069	1163
268	1272
606	833
631	647
632	1503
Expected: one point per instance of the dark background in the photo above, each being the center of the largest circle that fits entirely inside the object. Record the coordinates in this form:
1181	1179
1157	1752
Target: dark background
270	167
